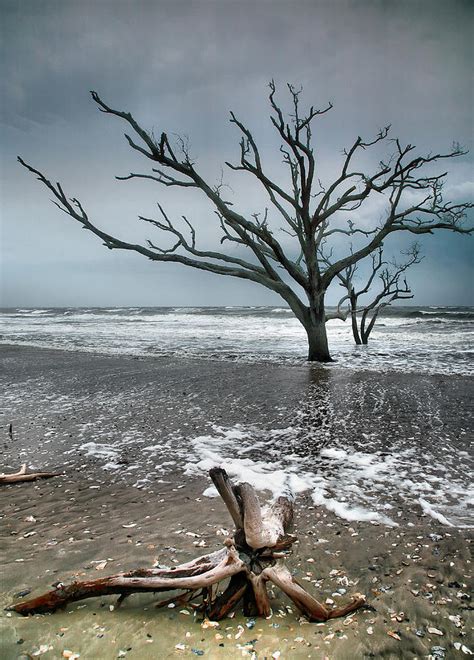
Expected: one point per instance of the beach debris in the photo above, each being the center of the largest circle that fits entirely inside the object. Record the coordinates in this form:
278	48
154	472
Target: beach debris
43	648
462	647
240	632
437	653
456	619
22	475
395	634
251	558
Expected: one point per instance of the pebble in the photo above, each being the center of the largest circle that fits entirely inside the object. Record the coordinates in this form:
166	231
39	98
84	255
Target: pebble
462	647
240	632
456	619
42	649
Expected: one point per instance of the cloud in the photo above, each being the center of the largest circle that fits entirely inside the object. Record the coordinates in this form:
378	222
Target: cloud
461	192
180	66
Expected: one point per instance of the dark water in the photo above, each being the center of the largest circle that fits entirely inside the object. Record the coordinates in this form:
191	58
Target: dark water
420	339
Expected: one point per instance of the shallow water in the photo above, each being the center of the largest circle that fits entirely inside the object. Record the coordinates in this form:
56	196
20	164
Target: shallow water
135	437
366	446
423	340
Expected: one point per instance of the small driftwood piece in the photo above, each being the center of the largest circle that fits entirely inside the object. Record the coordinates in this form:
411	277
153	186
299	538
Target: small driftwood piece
23	475
253	557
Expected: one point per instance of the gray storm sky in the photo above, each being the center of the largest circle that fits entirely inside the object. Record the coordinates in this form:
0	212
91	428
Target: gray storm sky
181	66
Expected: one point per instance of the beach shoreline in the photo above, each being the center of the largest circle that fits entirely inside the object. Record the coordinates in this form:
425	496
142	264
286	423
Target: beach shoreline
415	574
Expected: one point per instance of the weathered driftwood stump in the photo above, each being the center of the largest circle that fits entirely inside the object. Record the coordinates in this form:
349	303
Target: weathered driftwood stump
253	557
22	475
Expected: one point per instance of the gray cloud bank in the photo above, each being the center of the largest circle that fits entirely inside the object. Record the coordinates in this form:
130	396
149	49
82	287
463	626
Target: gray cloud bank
180	67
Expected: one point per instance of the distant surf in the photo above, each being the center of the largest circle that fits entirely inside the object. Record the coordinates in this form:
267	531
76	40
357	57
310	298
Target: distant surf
416	339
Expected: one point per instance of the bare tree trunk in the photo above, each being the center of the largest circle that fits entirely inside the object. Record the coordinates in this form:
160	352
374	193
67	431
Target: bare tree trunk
367	330
318	350
355	327
315	325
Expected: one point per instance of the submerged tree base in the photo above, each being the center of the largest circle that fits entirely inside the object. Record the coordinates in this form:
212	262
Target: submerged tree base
253	557
317	357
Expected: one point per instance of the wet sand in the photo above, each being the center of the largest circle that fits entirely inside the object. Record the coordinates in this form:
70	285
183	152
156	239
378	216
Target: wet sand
416	575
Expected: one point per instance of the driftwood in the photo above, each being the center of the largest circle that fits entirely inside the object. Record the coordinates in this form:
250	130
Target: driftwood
23	475
248	561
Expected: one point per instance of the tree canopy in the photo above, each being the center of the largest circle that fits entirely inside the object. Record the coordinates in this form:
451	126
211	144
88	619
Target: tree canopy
312	213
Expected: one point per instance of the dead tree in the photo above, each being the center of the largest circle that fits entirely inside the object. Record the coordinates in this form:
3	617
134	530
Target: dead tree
253	557
390	276
22	475
311	212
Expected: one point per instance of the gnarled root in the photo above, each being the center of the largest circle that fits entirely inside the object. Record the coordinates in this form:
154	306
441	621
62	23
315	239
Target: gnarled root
248	562
308	605
229	599
187	576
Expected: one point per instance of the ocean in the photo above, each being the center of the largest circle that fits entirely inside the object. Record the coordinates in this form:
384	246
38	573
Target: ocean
414	339
383	420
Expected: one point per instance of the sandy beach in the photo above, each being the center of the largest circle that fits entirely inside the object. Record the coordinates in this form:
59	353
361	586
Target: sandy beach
134	438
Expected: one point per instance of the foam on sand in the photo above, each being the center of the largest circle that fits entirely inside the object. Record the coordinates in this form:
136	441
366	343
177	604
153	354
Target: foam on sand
355	485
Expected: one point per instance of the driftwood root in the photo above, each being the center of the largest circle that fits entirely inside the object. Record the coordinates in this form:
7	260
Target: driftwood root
253	557
22	475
